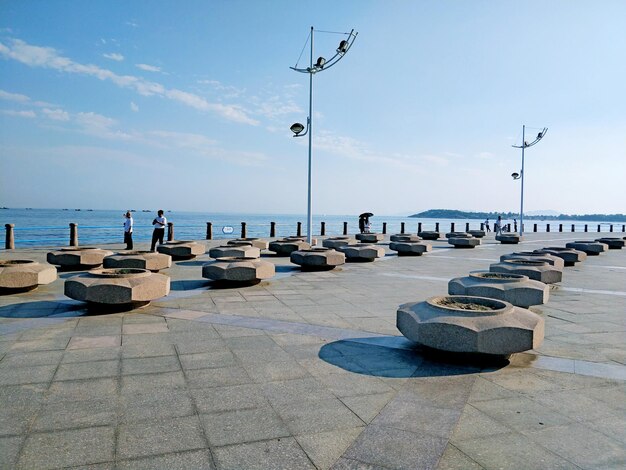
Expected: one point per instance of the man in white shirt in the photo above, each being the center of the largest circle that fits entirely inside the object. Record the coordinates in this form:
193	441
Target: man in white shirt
159	230
128	231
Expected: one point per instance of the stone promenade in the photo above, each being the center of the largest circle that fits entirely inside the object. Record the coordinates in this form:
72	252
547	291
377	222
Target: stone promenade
308	371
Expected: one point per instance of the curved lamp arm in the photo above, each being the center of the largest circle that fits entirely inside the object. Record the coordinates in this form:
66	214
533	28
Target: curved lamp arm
340	52
540	136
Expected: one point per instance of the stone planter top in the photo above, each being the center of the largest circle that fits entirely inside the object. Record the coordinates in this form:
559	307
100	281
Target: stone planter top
404	237
286	246
256	242
471	324
612	242
569	256
458	235
245	250
138	259
477	233
508	238
318	258
240	270
415	248
590	247
536	270
336	242
464	242
362	252
76	257
531	255
370	237
23	274
182	249
429	235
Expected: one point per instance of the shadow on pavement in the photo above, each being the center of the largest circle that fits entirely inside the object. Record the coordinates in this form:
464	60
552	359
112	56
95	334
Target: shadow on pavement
43	308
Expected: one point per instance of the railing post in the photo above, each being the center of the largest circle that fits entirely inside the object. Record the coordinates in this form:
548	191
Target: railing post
384	228
452	227
467	226
209	230
611	228
436	226
272	229
547	227
73	234
402	227
244	231
482	226
560	227
345	228
323	229
586	228
534	227
573	227
598	227
623	228
9	243
299	229
419	227
170	231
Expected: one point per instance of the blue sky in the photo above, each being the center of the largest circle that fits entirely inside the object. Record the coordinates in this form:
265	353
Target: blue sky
187	105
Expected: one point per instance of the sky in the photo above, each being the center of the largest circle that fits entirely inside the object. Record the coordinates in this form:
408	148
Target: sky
111	104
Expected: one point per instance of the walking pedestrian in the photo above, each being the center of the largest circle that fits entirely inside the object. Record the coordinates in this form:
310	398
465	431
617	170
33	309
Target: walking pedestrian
487	225
128	230
159	223
497	226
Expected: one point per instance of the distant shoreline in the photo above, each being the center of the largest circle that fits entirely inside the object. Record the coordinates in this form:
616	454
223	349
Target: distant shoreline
456	214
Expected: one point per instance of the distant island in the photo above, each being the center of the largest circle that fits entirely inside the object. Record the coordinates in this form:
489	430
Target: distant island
456	214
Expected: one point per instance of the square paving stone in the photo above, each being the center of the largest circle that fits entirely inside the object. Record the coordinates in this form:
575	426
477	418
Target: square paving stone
275	371
346	385
63	415
367	407
454	459
89	389
394	448
144	328
154	404
148	365
31	359
325	448
68	448
27	375
87	370
236	397
205	360
143	383
40	345
158	437
219	377
317	416
191	460
9	448
282	453
474	423
297	390
90	342
239	426
148	350
350	464
90	355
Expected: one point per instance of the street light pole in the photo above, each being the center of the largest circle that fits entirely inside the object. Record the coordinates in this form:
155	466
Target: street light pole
297	128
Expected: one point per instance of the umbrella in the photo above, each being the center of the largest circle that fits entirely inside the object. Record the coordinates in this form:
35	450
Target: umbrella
366	214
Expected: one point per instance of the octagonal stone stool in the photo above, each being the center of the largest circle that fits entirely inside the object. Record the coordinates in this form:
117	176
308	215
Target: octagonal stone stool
78	257
536	270
256	242
139	260
301	238
404	237
477	233
463	242
458	235
336	242
429	235
183	249
592	248
467	324
550	259
286	246
244	250
23	274
516	289
117	289
370	237
509	238
410	248
569	256
318	259
362	252
613	243
238	270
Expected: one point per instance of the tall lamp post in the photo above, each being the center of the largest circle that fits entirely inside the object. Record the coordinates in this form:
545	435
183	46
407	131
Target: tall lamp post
320	65
519	175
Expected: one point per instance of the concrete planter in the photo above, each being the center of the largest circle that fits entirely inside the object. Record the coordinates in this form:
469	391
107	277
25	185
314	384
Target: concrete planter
410	248
184	249
516	289
78	258
235	251
613	243
569	256
429	235
286	246
318	259
118	288
138	260
404	237
370	237
301	238
238	270
477	233
509	238
364	252
536	270
531	255
466	324
23	274
592	248
464	242
256	242
458	235
336	242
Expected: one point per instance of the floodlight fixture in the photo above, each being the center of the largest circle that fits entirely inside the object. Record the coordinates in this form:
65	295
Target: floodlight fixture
296	128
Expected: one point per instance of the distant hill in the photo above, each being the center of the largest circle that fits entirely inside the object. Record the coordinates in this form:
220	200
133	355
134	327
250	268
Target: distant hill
456	214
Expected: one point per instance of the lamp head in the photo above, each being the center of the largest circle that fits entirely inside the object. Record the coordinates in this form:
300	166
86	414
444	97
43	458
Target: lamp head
343	47
540	135
515	175
296	128
320	62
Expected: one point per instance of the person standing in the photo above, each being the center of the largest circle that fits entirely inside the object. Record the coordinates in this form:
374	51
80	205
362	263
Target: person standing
487	226
362	224
128	231
159	223
515	225
497	226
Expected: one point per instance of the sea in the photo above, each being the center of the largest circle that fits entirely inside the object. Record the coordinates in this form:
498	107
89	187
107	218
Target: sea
50	227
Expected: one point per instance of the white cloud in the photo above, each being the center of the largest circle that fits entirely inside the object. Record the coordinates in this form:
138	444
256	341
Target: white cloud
134	107
47	57
5	95
148	68
23	114
56	114
100	126
114	56
132	24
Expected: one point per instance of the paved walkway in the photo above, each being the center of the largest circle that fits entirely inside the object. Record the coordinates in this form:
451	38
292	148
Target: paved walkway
309	371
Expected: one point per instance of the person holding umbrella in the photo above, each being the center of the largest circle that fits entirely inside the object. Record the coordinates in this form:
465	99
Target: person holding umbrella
364	222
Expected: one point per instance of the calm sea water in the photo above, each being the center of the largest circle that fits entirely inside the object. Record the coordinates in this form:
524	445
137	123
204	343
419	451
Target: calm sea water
50	227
